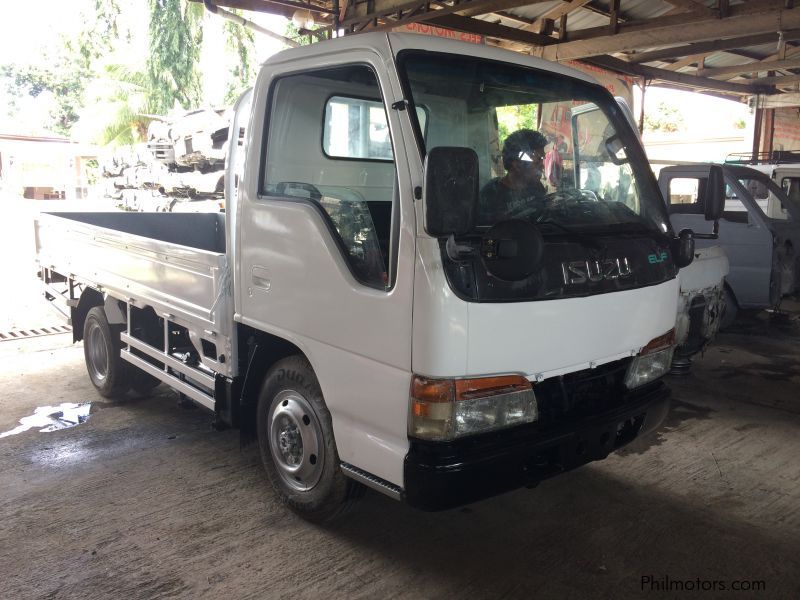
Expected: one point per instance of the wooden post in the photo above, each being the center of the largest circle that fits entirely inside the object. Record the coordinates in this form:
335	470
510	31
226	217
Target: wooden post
641	107
614	16
769	126
757	131
769	130
335	31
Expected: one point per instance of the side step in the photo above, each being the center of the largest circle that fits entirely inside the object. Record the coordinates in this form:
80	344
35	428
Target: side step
373	481
195	393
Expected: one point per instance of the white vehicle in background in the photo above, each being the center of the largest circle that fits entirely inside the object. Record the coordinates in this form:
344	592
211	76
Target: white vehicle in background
350	312
701	300
196	140
701	305
759	229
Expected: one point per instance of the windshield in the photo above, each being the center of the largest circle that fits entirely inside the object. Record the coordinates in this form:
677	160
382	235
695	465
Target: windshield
768	196
551	149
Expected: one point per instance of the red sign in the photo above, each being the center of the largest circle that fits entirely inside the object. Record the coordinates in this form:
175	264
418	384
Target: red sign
425	29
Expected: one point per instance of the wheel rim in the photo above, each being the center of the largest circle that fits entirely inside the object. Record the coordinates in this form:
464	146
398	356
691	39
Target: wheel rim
97	353
295	441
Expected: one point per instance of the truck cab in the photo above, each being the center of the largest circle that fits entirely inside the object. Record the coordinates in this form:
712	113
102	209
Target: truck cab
503	332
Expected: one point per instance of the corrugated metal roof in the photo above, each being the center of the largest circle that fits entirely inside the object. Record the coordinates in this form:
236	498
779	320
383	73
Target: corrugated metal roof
693	31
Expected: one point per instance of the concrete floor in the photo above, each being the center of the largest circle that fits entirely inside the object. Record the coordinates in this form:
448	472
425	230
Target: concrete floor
144	500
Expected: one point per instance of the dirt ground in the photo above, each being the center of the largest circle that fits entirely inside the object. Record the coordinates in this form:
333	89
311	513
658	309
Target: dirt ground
145	500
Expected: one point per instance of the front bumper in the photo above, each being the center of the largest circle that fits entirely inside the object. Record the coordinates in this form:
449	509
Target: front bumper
442	475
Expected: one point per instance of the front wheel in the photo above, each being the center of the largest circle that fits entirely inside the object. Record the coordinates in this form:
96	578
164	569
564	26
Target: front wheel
295	436
730	309
101	349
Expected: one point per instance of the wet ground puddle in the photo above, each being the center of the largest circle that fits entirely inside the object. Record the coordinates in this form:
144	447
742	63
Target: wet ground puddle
52	418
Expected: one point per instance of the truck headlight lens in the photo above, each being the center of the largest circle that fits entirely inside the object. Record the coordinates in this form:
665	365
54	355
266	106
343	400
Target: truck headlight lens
654	361
444	409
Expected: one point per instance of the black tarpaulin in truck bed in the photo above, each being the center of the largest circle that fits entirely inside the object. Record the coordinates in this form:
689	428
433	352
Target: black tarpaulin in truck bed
204	231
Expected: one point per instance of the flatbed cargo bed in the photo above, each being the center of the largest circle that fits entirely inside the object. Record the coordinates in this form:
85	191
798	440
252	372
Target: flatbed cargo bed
174	263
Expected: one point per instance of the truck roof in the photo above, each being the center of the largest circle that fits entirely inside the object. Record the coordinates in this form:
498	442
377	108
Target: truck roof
396	42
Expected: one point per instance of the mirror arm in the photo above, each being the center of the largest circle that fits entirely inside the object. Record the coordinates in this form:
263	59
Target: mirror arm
458	252
714	235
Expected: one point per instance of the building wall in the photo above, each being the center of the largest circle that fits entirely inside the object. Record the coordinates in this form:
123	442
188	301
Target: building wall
40	168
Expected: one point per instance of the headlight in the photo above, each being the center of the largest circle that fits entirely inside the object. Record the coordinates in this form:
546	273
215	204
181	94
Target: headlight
444	409
653	361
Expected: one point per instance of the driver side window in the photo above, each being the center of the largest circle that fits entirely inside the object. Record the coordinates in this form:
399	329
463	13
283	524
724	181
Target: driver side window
329	144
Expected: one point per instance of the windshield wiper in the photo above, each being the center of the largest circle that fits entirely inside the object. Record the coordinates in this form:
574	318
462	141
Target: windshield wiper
630	227
587	239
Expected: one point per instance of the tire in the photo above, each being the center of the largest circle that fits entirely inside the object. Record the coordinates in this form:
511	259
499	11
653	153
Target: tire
142	383
295	436
101	350
730	309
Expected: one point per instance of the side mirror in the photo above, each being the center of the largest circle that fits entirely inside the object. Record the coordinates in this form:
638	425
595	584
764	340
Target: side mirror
451	190
715	193
683	248
714	201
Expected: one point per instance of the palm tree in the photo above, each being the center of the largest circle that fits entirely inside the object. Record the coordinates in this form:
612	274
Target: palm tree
118	115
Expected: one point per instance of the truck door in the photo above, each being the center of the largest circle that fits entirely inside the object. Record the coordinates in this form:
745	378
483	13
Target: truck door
789	182
326	243
747	242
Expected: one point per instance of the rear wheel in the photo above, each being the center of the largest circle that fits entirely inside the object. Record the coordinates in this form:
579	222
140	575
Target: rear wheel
101	350
298	450
141	382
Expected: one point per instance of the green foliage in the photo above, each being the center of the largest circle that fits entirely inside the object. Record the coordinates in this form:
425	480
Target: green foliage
99	37
665	118
123	103
512	118
739	124
241	41
69	71
176	36
64	81
301	36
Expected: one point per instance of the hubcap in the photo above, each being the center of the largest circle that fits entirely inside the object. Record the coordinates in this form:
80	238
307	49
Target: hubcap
97	353
296	441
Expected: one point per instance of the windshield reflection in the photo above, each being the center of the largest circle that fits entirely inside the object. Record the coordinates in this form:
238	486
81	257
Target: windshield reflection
551	149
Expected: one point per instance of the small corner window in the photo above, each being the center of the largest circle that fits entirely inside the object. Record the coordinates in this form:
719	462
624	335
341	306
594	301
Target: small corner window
686	195
356	128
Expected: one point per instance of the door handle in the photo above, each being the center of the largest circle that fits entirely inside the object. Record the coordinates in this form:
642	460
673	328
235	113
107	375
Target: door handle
260	277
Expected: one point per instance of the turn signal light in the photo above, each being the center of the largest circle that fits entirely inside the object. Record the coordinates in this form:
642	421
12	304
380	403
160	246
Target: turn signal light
662	342
654	361
443	409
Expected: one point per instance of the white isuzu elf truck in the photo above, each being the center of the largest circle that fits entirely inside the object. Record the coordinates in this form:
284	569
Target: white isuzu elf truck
355	312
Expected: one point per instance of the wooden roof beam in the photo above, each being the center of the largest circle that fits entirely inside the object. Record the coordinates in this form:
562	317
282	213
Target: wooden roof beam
279	7
712	46
621	66
595	42
476	8
469	25
685	62
416	11
598	10
783	80
754	8
753	67
556	13
692	6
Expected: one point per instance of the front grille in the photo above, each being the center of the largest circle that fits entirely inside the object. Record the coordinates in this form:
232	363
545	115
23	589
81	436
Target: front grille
575	396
